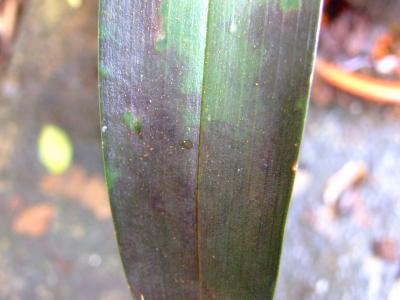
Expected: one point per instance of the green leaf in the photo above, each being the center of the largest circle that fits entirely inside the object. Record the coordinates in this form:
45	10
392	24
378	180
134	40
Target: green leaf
203	105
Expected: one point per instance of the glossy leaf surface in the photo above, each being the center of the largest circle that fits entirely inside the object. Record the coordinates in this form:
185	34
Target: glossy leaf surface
203	104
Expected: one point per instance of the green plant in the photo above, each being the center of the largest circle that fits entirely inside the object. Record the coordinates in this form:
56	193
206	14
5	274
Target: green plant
203	105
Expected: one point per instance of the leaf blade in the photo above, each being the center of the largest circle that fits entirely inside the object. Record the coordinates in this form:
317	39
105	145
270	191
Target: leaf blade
250	137
192	218
150	104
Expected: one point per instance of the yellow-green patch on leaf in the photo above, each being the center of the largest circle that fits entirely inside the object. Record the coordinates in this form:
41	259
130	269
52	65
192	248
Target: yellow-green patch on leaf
287	5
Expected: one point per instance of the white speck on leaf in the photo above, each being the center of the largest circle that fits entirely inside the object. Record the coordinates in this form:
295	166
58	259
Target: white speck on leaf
233	28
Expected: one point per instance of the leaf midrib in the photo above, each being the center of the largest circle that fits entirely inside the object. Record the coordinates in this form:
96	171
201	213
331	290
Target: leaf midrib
198	175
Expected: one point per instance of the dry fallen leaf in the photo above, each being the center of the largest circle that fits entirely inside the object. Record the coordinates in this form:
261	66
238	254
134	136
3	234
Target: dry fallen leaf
349	175
35	220
76	184
340	198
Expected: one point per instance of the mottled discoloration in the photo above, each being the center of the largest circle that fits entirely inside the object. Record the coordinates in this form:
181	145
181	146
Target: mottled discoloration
153	198
103	72
249	146
287	5
186	39
133	123
203	221
113	176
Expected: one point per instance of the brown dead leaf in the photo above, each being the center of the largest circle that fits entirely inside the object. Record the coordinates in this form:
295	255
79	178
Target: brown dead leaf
35	220
340	198
350	174
76	184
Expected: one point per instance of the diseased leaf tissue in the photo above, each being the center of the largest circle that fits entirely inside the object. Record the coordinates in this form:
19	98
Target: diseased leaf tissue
203	104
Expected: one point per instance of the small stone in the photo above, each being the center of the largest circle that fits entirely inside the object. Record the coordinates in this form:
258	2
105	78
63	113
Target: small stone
94	260
386	249
321	286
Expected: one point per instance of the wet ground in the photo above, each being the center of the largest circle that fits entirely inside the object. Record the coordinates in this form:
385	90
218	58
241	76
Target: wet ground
71	252
333	257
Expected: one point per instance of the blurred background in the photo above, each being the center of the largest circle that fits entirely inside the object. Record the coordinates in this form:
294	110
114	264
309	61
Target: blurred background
56	234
